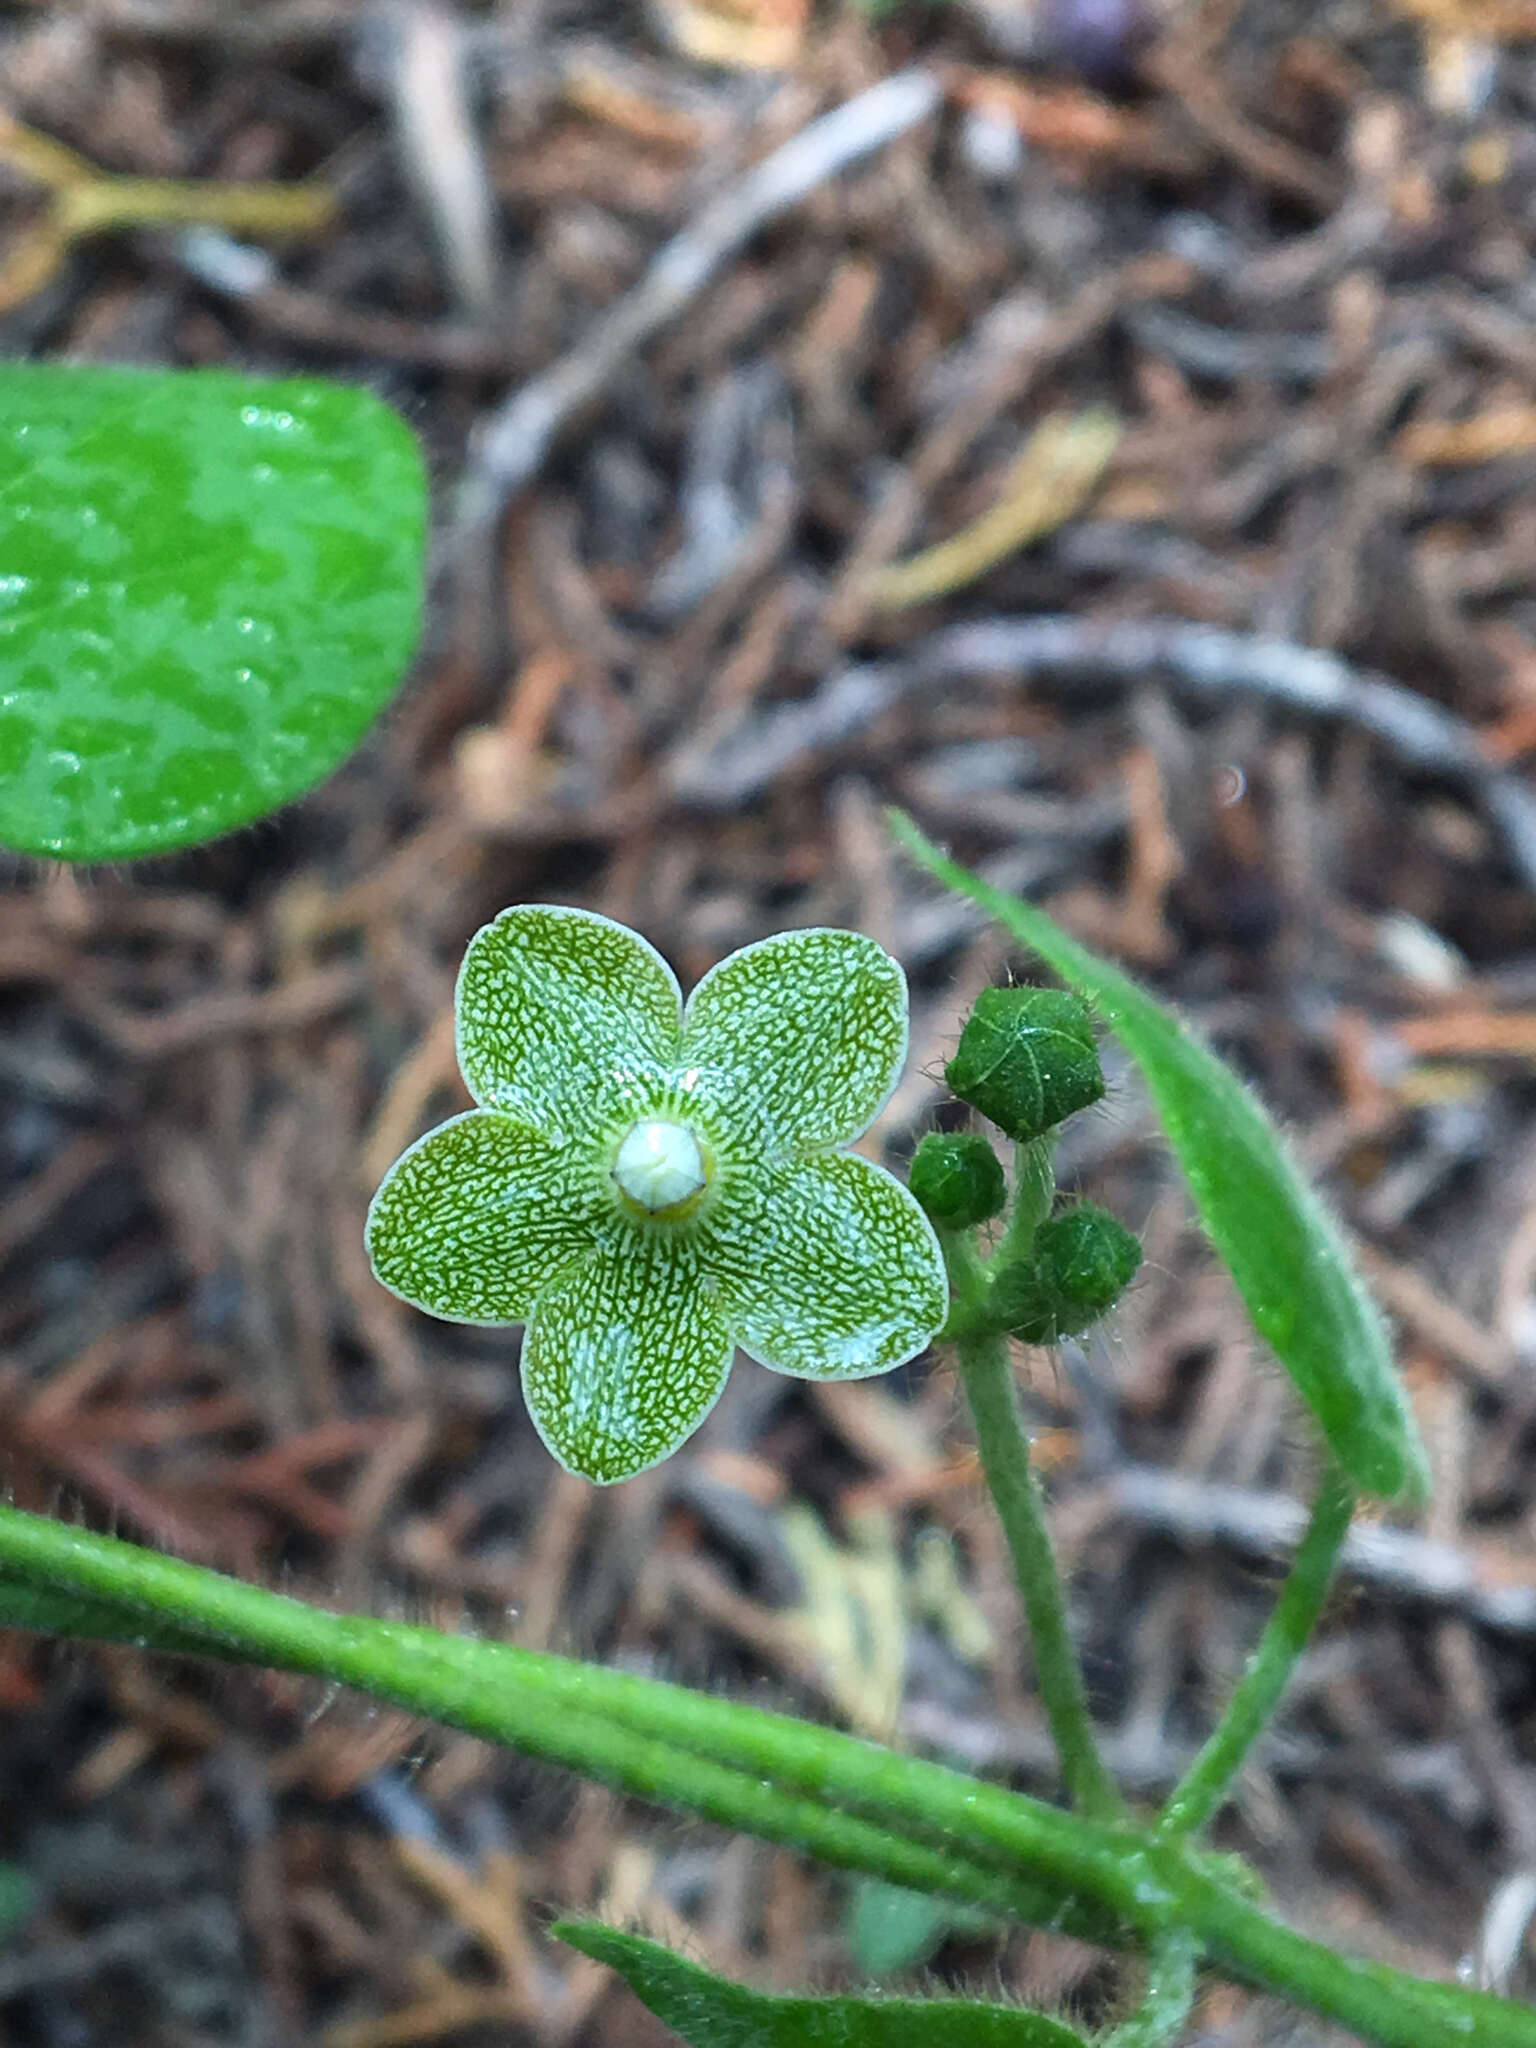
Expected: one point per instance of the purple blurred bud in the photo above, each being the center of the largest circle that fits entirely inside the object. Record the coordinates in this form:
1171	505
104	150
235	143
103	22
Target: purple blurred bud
1100	39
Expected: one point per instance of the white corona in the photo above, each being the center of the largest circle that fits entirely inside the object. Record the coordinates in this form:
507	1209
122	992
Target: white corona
660	1166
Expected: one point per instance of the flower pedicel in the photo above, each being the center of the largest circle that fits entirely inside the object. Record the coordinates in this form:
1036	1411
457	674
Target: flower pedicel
648	1186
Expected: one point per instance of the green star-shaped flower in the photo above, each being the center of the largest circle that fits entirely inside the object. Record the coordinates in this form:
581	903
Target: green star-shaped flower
647	1186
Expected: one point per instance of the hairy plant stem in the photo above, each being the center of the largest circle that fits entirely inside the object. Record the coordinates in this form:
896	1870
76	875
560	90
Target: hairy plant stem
986	1372
1034	1190
1204	1785
654	1740
1159	2020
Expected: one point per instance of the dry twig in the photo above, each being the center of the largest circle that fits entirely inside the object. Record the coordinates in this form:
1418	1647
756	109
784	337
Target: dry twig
514	441
1206	663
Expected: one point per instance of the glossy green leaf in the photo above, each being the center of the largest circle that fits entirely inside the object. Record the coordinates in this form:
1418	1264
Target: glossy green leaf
1278	1241
210	585
709	2012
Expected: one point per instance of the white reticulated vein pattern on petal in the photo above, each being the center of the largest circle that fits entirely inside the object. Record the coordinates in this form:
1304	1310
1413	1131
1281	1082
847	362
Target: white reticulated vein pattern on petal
826	1267
626	1358
480	1215
643	1189
564	1017
799	1038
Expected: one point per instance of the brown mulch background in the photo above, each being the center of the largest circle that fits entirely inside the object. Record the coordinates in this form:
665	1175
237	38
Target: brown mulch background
1291	249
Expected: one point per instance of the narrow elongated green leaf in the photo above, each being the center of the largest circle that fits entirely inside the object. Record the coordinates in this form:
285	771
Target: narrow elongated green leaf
1277	1240
209	587
710	2013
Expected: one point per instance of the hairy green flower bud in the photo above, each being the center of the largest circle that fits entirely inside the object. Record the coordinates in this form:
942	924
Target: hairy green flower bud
958	1178
1079	1265
1027	1060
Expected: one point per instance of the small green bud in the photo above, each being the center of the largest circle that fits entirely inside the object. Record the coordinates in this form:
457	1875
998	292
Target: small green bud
1090	1255
1021	1303
958	1178
1027	1060
1080	1264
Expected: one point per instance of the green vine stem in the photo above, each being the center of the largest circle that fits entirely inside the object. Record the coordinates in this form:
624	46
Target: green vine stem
631	1732
1159	2020
1034	1190
1204	1785
986	1371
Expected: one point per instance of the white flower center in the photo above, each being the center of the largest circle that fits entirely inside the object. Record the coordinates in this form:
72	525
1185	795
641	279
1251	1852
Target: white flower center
660	1166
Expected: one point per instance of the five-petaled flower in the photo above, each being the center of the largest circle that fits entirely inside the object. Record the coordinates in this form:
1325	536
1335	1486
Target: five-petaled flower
647	1186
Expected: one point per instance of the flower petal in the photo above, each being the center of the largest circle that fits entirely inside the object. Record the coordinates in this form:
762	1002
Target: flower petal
799	1038
558	1011
826	1268
477	1217
626	1358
